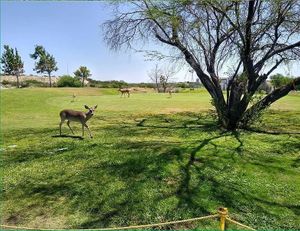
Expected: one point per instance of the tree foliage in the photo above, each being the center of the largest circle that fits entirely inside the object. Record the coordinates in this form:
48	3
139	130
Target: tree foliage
279	80
253	38
45	62
68	81
83	73
11	63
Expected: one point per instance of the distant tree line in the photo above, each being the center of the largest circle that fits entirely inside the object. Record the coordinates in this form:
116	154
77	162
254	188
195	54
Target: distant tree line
117	84
12	64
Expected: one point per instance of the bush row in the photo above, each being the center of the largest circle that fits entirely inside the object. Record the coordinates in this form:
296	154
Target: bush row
25	83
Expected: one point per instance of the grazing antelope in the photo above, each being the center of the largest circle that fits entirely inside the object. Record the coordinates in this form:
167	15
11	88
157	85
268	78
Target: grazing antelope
124	91
77	116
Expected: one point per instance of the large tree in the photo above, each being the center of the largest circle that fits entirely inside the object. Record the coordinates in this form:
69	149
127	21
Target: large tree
12	63
45	62
83	73
252	37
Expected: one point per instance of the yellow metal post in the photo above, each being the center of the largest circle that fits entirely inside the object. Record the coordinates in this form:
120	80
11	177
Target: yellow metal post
223	213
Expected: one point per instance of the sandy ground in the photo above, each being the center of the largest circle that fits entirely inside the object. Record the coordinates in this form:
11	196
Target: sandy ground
12	78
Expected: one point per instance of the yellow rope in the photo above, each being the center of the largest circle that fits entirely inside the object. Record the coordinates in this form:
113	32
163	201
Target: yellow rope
237	223
125	227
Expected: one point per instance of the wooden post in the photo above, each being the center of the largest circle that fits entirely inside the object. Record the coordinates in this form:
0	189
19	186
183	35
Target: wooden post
223	212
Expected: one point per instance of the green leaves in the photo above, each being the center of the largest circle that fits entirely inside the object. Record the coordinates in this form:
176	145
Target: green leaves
45	61
279	80
82	72
11	61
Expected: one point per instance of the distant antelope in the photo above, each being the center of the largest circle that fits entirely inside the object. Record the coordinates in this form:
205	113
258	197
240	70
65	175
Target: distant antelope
170	91
77	116
73	97
124	91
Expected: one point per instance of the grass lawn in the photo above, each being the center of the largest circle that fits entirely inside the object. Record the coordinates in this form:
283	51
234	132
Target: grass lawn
152	159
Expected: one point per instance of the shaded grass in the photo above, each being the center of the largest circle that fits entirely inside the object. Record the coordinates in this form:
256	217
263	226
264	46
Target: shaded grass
144	168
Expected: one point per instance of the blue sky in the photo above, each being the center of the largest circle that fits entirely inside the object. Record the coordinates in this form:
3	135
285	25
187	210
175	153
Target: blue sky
71	32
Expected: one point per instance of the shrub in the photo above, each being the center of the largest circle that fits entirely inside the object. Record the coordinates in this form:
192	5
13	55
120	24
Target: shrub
8	83
68	81
5	82
182	85
33	83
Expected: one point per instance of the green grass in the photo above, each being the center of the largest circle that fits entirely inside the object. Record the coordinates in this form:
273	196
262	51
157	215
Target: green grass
152	159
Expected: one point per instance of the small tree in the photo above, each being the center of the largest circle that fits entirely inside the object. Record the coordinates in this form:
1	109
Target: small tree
12	63
161	77
154	76
82	73
45	62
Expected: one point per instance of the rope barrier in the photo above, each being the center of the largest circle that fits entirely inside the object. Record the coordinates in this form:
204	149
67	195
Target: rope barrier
222	214
238	223
125	227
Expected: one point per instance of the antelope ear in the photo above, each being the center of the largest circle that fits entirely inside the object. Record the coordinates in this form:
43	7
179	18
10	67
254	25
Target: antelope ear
86	107
95	106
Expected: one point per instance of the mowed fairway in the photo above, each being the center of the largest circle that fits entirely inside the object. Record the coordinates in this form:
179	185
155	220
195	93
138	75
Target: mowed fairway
152	159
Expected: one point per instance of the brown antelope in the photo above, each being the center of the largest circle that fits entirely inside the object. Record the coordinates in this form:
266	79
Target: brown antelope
124	91
77	116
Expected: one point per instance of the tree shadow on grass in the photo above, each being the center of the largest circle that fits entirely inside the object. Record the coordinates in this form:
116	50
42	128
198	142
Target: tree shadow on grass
195	122
184	191
234	196
145	181
271	132
136	172
201	177
239	149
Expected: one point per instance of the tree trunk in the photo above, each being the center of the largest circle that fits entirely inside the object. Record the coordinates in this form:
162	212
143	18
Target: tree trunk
82	81
232	119
164	85
236	113
50	83
157	87
228	118
18	82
